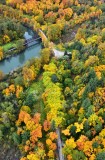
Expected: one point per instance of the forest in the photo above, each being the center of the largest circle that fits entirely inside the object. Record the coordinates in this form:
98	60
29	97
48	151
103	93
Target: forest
52	108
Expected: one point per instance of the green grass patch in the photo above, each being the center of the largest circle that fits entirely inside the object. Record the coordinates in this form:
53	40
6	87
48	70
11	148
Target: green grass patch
7	46
10	45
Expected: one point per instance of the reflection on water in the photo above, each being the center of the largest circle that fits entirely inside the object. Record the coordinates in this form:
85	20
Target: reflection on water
8	65
12	63
22	58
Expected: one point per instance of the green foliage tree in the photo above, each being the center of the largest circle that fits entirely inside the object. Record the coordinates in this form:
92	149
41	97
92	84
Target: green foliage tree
100	156
78	155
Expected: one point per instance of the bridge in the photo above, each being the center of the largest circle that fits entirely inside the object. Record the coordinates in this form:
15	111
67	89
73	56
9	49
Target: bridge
51	45
33	39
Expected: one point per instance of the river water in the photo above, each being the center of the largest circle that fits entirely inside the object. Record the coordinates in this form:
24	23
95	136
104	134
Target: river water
16	61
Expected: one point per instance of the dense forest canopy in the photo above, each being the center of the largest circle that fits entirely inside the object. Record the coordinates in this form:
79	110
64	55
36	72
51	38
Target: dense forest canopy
53	101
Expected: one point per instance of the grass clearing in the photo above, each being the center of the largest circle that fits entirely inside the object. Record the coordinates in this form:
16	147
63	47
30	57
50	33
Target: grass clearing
10	45
7	46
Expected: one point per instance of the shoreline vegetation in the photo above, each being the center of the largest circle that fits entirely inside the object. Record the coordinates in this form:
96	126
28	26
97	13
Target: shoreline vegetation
13	51
16	47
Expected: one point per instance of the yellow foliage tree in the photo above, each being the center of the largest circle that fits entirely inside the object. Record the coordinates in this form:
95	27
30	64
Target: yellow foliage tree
1	53
28	74
6	39
91	61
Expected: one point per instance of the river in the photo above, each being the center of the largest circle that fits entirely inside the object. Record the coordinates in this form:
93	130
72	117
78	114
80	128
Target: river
8	65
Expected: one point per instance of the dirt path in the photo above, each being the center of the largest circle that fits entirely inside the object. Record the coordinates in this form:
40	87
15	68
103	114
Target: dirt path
59	144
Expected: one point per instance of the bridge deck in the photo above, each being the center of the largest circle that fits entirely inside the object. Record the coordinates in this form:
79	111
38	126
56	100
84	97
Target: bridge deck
31	40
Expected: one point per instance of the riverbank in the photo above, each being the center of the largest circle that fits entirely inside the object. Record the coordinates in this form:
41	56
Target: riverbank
12	48
12	52
19	60
15	51
18	46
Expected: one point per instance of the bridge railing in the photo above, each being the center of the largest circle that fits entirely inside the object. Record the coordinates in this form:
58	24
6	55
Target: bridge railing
31	40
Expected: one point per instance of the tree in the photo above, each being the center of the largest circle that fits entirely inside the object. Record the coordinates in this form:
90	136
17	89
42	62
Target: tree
20	44
1	53
6	39
28	74
31	99
103	7
78	155
40	19
51	17
100	156
54	32
14	2
45	55
68	13
2	1
92	61
77	67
